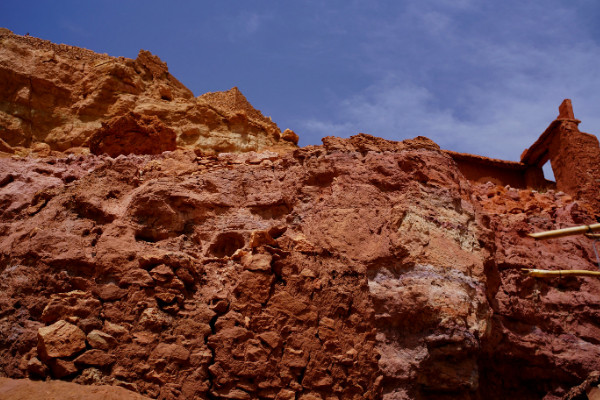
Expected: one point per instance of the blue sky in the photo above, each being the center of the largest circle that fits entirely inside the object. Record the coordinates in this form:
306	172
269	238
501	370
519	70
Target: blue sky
482	77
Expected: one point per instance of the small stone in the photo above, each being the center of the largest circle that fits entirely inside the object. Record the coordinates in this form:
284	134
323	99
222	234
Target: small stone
89	324
62	368
271	338
95	357
109	292
60	339
257	262
166	297
37	368
290	136
153	318
286	394
185	276
309	273
42	149
92	376
171	352
114	329
162	273
259	238
72	306
100	340
220	306
137	277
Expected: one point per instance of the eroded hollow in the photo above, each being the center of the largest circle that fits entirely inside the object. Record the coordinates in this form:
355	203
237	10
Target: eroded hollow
226	244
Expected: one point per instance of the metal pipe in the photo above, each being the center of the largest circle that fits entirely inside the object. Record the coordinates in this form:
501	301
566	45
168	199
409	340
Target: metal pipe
576	230
542	273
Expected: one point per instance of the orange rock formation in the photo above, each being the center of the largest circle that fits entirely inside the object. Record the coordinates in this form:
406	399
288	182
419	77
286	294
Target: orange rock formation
170	262
60	95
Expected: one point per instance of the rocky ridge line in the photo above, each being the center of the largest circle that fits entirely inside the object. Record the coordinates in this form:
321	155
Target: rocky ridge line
57	97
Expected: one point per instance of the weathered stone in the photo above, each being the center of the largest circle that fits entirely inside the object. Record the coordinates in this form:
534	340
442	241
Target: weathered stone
154	319
132	134
96	358
100	340
257	262
76	304
62	368
271	338
171	352
109	292
36	368
60	339
286	394
137	277
162	273
114	329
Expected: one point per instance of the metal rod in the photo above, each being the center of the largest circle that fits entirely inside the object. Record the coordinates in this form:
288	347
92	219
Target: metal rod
576	230
542	273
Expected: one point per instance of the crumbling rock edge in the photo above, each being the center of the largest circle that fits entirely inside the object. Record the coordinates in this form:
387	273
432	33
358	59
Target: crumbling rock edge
55	98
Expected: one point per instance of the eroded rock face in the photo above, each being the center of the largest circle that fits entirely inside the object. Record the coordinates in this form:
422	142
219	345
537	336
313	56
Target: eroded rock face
132	134
543	331
156	258
360	269
61	95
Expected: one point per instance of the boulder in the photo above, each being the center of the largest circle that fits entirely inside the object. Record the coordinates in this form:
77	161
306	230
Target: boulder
60	339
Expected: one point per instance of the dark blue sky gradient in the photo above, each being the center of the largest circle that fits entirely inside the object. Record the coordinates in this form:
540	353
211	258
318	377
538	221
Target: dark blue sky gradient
475	76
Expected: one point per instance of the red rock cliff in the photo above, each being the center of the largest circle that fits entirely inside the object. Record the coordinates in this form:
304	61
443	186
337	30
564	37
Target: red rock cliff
359	269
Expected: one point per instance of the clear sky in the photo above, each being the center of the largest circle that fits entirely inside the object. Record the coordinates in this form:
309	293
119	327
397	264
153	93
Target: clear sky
482	77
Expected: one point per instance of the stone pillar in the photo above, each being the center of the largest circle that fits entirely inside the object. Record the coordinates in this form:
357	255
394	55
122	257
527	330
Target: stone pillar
575	159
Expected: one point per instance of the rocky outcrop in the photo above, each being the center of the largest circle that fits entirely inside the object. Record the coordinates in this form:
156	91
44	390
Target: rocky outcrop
162	254
61	95
360	269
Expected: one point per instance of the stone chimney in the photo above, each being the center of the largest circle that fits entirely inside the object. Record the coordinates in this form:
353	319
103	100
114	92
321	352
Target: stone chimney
574	156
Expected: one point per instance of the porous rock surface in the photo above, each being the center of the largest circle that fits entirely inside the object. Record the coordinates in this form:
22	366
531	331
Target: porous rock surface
60	96
359	269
